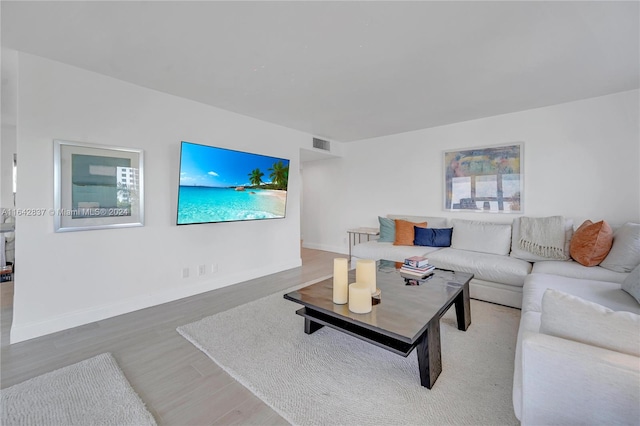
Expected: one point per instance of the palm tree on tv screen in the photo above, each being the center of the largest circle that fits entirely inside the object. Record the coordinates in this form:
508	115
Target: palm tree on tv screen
255	177
279	175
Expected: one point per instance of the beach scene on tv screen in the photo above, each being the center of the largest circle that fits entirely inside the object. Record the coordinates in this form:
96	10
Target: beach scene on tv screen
221	185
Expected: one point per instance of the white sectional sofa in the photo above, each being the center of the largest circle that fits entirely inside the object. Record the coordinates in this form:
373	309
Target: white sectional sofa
577	364
488	250
477	247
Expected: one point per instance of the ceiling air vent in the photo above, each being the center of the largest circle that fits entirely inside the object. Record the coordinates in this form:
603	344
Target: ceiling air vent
321	144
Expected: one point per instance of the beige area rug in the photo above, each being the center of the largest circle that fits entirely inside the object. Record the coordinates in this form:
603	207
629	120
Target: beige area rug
330	378
91	392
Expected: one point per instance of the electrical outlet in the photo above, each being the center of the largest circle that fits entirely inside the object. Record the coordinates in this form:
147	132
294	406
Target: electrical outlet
185	272
202	269
214	268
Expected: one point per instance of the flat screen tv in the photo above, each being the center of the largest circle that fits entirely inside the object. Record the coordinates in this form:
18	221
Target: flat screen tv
223	185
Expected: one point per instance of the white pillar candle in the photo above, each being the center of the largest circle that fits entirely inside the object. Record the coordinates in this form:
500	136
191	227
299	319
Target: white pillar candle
359	298
340	281
366	273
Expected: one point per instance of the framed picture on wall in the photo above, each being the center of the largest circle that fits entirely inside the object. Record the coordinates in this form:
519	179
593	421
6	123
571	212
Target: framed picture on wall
484	179
97	187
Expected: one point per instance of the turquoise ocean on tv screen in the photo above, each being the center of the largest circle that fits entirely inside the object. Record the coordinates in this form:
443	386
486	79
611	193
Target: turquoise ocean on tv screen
206	204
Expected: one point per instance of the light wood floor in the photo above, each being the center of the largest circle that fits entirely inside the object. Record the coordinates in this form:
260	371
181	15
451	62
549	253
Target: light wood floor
179	384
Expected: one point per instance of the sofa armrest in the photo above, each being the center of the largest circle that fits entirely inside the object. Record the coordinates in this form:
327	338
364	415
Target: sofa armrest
567	382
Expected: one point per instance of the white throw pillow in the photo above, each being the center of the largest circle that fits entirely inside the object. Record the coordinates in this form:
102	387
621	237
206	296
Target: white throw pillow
625	251
574	318
483	237
518	253
631	284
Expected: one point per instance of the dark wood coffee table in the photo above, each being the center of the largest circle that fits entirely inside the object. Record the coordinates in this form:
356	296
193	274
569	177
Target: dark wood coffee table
408	316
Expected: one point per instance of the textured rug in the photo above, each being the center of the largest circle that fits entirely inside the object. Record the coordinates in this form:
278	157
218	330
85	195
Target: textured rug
91	392
332	378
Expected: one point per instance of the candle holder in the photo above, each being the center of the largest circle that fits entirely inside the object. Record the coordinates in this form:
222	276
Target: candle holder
366	273
340	281
376	297
359	298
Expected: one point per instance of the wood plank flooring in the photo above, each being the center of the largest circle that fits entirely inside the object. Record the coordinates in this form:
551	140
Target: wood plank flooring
179	384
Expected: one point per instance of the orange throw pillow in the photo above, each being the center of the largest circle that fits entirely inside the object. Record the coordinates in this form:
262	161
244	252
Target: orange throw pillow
405	234
591	243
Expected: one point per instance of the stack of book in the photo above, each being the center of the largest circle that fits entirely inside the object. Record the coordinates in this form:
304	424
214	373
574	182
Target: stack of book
416	267
5	273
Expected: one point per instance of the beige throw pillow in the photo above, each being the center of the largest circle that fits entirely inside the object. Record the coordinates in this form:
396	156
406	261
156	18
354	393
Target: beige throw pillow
573	318
631	284
625	251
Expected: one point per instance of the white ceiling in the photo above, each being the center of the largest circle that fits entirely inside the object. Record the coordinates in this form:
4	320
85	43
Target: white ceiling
345	70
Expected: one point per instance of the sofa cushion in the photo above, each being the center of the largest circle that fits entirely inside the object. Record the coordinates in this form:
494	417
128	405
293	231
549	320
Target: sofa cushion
591	242
433	221
571	317
432	237
517	252
484	266
632	283
483	237
387	230
569	268
405	233
375	250
625	251
603	293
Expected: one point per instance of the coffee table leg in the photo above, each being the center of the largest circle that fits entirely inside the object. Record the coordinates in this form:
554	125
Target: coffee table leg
463	308
429	355
311	327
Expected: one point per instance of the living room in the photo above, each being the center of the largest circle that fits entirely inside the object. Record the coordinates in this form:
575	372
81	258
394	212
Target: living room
580	154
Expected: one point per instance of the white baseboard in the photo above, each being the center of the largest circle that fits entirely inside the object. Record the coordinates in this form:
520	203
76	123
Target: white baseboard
31	330
325	247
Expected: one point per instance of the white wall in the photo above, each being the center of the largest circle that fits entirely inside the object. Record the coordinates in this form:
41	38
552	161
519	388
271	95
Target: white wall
8	106
67	279
581	160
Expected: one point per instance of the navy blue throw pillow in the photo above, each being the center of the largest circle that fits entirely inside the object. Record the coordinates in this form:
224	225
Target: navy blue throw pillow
432	237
